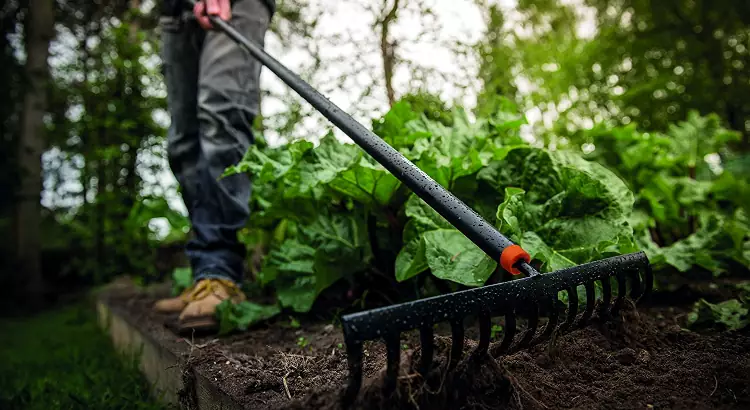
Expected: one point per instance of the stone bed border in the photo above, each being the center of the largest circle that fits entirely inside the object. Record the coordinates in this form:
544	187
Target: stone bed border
173	381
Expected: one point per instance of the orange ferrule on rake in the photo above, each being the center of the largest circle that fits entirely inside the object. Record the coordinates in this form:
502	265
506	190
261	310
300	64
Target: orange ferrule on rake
511	256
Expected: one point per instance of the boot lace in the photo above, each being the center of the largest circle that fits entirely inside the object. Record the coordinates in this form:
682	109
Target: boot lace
206	287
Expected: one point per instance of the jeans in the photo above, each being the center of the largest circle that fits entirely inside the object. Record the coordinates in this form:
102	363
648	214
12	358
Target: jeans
213	96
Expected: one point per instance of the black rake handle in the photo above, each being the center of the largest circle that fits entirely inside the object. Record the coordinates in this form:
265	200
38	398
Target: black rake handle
462	217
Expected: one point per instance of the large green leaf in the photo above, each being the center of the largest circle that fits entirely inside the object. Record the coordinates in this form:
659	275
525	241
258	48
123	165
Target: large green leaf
270	164
292	257
699	136
298	294
325	163
397	128
731	315
411	260
331	247
717	240
367	183
243	315
452	256
424	216
561	208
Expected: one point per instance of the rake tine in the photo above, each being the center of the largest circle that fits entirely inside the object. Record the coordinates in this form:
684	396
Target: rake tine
510	332
392	343
485	325
621	292
590	300
425	339
572	308
533	324
635	285
354	356
457	345
606	297
649	279
553	318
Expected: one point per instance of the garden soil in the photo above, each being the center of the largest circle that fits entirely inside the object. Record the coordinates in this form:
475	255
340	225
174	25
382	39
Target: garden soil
642	360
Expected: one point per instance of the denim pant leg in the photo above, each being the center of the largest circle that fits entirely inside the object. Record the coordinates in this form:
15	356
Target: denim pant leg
182	40
228	102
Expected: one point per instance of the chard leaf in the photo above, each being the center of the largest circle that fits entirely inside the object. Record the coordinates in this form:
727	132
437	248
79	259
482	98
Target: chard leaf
699	136
331	247
270	164
452	256
325	163
243	315
561	208
446	170
292	257
718	238
411	260
299	294
367	183
731	315
396	127
425	218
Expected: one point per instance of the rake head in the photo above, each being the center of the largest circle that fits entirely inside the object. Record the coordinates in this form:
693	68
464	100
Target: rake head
533	296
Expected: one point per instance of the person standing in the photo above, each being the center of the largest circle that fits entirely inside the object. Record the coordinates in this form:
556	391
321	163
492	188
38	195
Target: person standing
213	97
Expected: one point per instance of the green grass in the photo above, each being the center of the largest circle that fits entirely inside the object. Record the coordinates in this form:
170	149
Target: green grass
62	360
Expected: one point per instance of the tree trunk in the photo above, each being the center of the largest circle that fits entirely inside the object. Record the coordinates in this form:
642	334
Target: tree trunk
388	50
39	30
131	178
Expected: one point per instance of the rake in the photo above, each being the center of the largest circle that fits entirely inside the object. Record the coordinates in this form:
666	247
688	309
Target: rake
534	295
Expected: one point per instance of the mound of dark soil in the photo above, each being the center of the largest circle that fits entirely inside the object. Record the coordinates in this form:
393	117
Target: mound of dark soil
643	359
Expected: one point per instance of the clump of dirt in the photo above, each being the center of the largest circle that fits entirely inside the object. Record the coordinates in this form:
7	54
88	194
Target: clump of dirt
641	359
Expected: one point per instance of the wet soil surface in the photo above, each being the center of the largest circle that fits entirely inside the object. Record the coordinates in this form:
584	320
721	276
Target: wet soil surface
643	359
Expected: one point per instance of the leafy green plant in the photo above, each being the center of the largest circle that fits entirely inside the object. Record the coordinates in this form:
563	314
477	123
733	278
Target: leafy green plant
328	196
342	212
242	315
495	330
182	278
731	314
689	211
328	213
302	342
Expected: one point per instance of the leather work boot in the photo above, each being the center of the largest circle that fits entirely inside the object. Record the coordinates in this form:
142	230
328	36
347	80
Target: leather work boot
175	304
200	312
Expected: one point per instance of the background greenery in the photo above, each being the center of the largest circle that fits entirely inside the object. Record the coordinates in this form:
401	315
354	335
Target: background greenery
642	144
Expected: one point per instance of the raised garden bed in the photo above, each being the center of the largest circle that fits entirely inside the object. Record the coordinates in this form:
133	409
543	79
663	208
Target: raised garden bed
644	361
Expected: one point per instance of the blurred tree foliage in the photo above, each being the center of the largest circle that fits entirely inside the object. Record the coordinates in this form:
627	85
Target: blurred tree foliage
623	88
102	138
644	61
103	161
104	132
10	106
654	90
